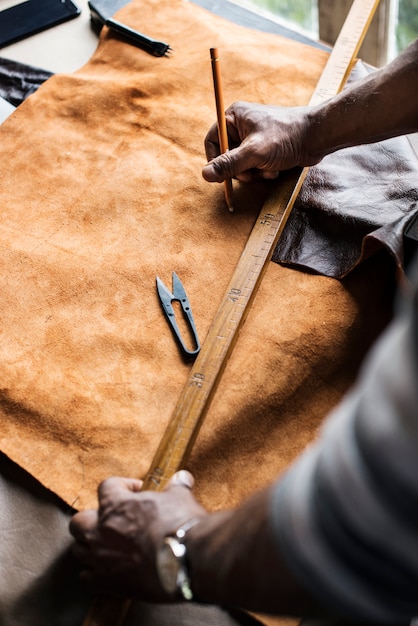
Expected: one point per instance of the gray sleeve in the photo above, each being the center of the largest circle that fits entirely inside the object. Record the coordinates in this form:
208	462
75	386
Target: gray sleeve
346	513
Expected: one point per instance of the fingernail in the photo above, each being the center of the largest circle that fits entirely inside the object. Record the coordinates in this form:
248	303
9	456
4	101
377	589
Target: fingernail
184	478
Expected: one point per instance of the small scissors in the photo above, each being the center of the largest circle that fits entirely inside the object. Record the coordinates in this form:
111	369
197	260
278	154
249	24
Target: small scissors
178	295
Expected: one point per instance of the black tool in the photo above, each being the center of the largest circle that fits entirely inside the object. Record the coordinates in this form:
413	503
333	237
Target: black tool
101	13
24	19
178	295
154	47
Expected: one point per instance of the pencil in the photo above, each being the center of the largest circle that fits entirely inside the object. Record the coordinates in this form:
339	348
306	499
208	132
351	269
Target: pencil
220	112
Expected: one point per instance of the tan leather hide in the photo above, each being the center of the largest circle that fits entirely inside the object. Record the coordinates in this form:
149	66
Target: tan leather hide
100	191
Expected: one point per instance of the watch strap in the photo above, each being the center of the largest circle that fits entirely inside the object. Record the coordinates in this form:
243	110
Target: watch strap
181	532
176	543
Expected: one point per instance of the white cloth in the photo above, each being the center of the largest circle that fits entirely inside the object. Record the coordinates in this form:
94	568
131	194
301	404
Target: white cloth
6	109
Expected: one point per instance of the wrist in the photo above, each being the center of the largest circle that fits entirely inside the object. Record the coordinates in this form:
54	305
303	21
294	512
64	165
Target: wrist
172	563
206	549
317	135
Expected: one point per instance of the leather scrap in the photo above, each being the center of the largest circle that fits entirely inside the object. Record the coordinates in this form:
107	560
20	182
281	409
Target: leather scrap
354	203
19	80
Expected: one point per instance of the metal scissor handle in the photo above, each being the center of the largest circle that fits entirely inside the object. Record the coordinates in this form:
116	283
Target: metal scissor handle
178	295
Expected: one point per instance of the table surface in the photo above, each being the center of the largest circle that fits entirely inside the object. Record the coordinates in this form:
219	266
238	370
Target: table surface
63	48
67	47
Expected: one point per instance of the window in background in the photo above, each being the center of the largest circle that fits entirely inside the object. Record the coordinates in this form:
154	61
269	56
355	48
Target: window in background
299	15
302	15
407	23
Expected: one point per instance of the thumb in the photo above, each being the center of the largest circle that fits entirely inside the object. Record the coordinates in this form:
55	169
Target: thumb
221	167
235	163
114	490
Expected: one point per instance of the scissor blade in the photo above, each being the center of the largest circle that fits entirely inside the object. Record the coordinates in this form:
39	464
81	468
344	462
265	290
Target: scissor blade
179	292
165	296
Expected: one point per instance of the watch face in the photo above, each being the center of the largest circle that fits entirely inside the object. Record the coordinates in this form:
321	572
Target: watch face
168	567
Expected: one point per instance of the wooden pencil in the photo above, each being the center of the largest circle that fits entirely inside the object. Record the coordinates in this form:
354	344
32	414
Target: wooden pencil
220	112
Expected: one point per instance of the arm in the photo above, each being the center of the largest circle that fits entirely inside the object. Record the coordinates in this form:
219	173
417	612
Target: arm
323	535
265	139
232	555
235	561
336	535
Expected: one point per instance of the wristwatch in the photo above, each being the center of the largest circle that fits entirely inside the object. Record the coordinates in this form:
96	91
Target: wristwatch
172	566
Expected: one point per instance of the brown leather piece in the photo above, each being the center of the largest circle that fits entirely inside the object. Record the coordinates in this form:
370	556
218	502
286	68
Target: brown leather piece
19	80
325	233
353	203
102	193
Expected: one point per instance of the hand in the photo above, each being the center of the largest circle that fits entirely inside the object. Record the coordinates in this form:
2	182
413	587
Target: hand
263	140
117	544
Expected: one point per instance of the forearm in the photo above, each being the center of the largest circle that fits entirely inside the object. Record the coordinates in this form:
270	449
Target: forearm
336	510
266	139
379	106
234	561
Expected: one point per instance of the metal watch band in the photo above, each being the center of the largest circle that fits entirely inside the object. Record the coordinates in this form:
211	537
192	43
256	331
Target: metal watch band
179	550
181	532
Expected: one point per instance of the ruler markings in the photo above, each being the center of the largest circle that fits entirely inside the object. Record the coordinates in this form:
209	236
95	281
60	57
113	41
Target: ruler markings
210	363
268	228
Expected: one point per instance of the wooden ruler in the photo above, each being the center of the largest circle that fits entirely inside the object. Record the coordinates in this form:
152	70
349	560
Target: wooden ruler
207	370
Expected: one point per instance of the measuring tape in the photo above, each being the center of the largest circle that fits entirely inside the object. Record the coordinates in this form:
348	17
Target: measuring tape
208	368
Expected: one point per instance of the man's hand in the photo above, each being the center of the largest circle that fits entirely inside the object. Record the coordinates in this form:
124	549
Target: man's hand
263	140
117	544
266	139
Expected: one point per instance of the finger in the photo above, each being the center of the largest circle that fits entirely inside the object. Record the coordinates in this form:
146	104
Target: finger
123	483
112	490
82	524
117	486
212	148
219	169
183	478
233	163
249	176
132	484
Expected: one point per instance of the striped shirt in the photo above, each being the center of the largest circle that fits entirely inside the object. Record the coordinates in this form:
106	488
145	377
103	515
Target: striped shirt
346	513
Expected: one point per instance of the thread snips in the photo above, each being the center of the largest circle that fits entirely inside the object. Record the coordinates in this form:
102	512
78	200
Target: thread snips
178	295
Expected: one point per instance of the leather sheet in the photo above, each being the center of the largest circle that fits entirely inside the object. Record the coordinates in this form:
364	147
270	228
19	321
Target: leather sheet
101	191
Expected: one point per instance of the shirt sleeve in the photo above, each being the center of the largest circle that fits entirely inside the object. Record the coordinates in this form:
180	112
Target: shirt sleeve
346	513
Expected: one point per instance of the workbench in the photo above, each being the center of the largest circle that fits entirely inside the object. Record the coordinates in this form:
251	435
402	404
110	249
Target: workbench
41	585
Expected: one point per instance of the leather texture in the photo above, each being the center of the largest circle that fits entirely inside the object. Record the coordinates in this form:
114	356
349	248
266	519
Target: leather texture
352	204
324	233
104	194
